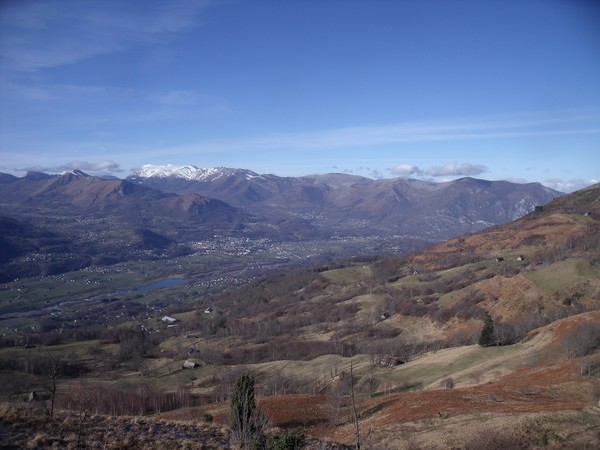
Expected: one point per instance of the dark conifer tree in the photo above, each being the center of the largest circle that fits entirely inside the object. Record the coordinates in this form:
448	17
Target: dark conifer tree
247	421
487	337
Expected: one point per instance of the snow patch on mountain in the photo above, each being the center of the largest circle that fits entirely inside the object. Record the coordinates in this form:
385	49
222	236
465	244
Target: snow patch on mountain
75	172
188	172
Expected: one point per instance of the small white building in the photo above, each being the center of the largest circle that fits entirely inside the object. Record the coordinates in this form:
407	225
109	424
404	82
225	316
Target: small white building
169	319
189	364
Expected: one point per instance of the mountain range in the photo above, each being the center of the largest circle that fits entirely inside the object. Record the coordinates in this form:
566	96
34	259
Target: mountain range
391	348
358	205
165	210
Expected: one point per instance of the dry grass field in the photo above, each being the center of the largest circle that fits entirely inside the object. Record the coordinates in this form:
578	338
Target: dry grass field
530	395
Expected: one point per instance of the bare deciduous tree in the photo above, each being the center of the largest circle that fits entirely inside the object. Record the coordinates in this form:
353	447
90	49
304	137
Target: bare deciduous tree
583	340
84	399
54	372
354	414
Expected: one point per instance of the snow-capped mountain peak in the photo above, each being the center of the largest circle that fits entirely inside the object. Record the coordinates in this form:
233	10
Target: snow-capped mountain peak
75	172
159	171
187	172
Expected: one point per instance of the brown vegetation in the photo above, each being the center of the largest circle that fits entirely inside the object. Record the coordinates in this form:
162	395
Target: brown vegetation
25	426
394	338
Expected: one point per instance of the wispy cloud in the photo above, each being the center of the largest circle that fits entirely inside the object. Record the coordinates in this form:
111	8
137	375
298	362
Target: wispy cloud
38	35
488	127
78	93
568	185
111	104
179	98
100	166
451	169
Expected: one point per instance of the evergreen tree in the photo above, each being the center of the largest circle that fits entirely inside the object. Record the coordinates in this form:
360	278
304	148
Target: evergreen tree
247	421
288	440
487	337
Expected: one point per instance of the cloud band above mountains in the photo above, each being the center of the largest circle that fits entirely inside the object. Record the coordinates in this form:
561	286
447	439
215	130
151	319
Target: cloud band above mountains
452	169
101	166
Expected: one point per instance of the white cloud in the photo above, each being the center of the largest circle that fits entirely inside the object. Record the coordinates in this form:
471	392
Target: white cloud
100	166
405	170
109	166
453	169
570	185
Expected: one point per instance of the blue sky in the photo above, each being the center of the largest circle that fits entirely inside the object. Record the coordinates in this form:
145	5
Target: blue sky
423	89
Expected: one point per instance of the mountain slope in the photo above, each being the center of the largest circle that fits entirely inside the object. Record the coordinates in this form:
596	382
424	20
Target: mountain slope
339	201
99	220
94	194
18	238
237	187
400	335
407	304
410	325
555	228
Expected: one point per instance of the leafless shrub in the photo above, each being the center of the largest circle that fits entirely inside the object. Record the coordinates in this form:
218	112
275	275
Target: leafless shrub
447	383
492	439
466	307
430	276
583	340
89	397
